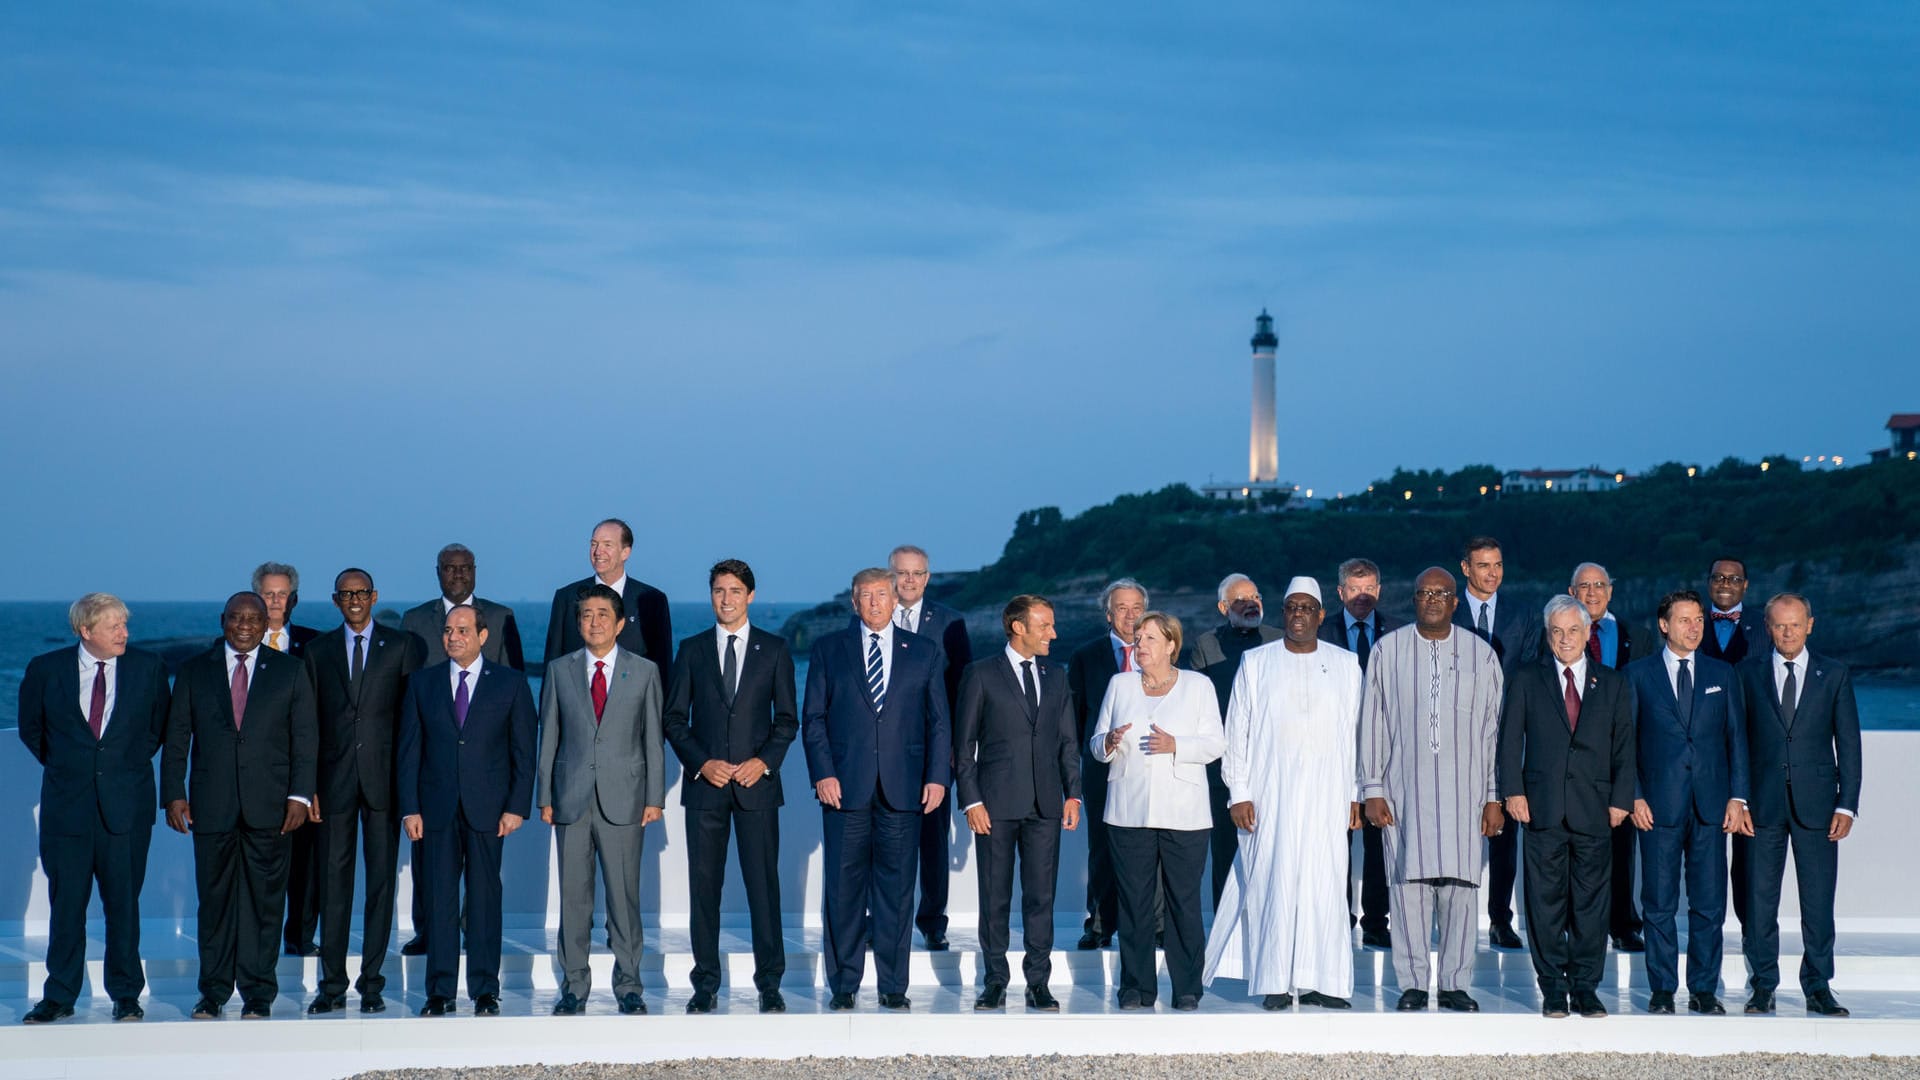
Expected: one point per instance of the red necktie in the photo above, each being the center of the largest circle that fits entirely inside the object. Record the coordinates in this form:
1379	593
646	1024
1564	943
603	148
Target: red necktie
97	705
1726	616
599	689
1573	703
239	689
1126	658
1593	642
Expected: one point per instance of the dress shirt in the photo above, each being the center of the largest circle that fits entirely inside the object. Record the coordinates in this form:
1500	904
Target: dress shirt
366	647
1119	652
473	677
1732	625
886	650
1160	791
1014	658
591	660
1673	680
87	672
1370	622
447	605
720	634
1473	609
1579	669
252	662
1800	686
618	585
267	640
1609	639
907	616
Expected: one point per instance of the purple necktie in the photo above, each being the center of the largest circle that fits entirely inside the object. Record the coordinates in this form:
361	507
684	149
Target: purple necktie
97	703
460	703
239	688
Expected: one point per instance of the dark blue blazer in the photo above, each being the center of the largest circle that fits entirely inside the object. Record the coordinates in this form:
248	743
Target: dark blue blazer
1517	629
1750	637
1702	763
485	769
84	781
892	753
1807	771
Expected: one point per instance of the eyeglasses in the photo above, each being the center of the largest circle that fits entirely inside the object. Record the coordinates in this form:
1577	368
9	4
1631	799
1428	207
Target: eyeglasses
914	575
1301	609
353	594
1424	595
1725	579
1593	586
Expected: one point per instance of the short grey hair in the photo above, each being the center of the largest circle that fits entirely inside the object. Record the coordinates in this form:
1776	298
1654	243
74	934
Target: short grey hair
908	549
452	549
269	569
1106	594
1562	602
1583	568
1357	567
91	608
1230	581
1793	597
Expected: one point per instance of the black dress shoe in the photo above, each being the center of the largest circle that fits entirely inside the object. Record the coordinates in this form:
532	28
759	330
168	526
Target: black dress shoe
1094	939
1553	1007
1587	1004
702	1001
772	1002
256	1010
1276	1002
1324	1001
895	1002
486	1005
438	1006
840	1002
1821	1003
1660	1003
1761	1003
1705	1005
936	941
1412	1001
632	1004
1629	942
47	1012
416	946
993	997
205	1009
1458	1001
372	1002
1133	1000
1376	939
568	1005
1041	999
1187	1002
325	1004
128	1009
1501	936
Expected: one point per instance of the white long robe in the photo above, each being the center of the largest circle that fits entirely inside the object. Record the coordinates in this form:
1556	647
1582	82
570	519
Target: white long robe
1291	740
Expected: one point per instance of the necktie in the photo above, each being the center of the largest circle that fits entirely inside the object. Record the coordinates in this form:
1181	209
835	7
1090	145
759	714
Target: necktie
876	673
1573	702
1683	695
1593	642
1480	621
359	657
1126	658
1032	691
97	703
1362	647
904	619
238	688
730	672
1726	616
1789	696
273	641
599	690
460	702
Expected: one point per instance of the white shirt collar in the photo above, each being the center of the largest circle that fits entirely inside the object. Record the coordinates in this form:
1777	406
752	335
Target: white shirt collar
721	633
1579	669
607	660
619	586
87	660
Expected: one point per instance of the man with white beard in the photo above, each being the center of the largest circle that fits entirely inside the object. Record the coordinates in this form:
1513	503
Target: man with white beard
1289	767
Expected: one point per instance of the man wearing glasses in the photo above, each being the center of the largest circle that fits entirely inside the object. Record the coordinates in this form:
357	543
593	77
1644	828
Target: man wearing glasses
1610	645
1734	632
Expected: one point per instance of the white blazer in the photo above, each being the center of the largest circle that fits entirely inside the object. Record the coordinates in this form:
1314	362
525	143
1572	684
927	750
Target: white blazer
1160	791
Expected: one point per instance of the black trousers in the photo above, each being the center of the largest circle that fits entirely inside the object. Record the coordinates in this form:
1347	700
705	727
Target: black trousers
417	858
344	832
1567	898
1171	860
1737	888
463	851
241	876
1623	917
1103	893
1503	866
759	835
1375	901
117	863
1223	842
1816	870
869	863
305	854
936	838
1034	842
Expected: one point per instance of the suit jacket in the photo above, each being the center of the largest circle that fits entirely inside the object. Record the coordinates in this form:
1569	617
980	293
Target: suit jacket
84	780
484	769
1805	772
1089	669
1750	637
648	630
1517	630
1008	756
1623	651
360	721
617	761
503	634
1333	629
948	627
1210	655
1569	775
761	723
1699	764
891	753
240	776
298	638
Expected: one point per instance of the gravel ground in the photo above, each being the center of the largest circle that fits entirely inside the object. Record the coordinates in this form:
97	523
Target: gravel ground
1205	1066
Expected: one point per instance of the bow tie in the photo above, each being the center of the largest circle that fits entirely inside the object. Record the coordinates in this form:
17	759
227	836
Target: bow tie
1726	616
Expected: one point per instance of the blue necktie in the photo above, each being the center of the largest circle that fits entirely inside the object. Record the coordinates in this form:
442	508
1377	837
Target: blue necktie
876	673
1683	694
460	704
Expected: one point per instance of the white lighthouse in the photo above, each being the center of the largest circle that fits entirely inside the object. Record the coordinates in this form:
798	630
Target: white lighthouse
1263	450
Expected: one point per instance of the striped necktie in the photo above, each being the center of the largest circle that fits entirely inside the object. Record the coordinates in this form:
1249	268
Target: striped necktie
876	672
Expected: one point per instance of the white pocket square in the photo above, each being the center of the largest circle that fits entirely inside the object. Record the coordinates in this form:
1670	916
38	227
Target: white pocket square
1715	689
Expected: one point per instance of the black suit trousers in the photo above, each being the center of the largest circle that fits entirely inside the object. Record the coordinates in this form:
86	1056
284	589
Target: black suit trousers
1503	866
870	857
344	832
759	835
1169	860
74	864
470	850
1816	869
1566	901
1035	842
936	837
1223	843
306	855
1623	918
1375	901
1103	893
241	876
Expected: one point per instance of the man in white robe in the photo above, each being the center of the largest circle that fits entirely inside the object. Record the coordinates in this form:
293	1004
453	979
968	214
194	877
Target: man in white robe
1289	768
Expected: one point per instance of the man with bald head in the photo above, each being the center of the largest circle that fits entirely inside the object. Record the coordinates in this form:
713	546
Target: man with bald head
1216	654
1429	734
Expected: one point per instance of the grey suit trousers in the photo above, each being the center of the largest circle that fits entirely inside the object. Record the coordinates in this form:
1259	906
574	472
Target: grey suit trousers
1415	907
616	848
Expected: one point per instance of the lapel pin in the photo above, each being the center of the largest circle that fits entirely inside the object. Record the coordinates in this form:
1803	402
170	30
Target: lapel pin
756	648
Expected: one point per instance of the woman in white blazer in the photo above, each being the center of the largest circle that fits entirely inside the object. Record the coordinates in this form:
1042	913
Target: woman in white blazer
1158	729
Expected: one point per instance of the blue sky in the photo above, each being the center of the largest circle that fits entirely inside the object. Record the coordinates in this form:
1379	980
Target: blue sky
336	283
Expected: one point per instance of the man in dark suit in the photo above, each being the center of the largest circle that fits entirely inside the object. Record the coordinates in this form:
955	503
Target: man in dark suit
92	715
359	674
731	716
880	754
648	630
917	614
455	569
1216	654
1734	632
1567	772
1610	645
1514	632
1357	629
1803	741
1089	669
279	585
1017	766
1691	744
465	781
243	717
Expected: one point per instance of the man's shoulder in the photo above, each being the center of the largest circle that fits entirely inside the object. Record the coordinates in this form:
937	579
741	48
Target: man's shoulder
491	607
1709	667
761	638
1091	648
945	613
632	661
566	593
640	590
66	654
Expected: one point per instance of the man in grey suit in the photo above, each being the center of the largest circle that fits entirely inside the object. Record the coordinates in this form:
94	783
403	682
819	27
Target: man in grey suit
601	782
